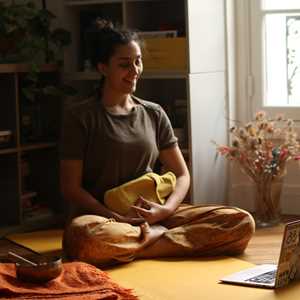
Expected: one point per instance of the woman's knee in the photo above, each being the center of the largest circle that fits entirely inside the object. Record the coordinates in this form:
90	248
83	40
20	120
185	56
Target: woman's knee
99	240
243	230
76	235
235	226
246	219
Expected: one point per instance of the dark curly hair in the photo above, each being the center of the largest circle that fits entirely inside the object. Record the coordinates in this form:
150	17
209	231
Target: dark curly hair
104	38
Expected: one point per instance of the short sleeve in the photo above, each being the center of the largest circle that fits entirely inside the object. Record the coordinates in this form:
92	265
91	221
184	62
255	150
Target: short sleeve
73	137
166	137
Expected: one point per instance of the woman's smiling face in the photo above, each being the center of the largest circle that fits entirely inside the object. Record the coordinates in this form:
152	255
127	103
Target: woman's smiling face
123	69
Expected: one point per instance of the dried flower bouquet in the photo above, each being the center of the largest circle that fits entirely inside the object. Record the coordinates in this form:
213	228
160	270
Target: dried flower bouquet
262	149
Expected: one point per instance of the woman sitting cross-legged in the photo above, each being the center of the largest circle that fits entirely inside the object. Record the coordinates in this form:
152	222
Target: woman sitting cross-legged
121	209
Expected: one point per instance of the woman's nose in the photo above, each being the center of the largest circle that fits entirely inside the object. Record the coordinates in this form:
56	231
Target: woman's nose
136	69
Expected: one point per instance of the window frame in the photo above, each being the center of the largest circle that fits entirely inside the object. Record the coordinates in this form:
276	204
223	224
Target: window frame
250	73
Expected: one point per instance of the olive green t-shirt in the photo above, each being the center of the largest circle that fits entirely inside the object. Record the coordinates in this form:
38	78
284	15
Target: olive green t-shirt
114	148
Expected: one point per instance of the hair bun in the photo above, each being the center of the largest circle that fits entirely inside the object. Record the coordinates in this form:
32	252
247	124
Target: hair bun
103	24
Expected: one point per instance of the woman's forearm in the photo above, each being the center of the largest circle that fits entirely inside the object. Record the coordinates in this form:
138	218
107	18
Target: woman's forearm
180	191
172	160
89	204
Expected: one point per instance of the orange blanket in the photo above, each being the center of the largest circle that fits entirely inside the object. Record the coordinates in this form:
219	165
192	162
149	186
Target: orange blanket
77	281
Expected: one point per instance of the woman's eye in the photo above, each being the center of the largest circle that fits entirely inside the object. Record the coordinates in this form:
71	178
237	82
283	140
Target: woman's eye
138	62
135	63
125	66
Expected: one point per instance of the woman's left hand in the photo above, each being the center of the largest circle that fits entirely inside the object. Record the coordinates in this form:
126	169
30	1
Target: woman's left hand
152	212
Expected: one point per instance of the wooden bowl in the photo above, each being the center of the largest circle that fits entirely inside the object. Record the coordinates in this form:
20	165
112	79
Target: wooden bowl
42	272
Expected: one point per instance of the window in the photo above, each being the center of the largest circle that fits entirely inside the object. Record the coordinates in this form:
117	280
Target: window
274	55
264	73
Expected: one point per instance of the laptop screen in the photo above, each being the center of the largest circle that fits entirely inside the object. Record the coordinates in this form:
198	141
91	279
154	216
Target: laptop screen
289	260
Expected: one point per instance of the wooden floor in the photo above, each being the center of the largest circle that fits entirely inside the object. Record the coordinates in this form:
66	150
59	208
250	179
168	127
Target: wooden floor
264	247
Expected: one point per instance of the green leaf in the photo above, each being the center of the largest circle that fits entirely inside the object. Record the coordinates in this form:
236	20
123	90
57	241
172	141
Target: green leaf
29	94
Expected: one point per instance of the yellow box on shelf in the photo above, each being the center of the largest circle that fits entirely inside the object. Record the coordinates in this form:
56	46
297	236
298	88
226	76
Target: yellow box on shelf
165	54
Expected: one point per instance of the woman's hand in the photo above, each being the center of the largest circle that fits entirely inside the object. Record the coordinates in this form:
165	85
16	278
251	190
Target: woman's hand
150	211
133	220
151	234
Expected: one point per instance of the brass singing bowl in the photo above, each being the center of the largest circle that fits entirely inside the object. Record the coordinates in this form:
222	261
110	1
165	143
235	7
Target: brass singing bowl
43	271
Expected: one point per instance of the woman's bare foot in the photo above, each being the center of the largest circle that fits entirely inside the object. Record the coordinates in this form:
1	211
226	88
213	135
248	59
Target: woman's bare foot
151	233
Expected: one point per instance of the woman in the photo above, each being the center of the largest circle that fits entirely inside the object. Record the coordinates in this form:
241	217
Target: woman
116	137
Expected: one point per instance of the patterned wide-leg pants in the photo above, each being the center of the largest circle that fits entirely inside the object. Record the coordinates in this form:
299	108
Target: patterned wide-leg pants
191	231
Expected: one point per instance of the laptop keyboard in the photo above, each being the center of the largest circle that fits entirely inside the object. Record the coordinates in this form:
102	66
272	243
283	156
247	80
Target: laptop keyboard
267	277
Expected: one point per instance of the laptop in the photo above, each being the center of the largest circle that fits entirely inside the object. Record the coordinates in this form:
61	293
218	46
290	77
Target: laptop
274	276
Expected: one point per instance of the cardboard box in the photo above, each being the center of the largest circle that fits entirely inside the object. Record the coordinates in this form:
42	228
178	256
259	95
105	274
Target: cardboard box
165	54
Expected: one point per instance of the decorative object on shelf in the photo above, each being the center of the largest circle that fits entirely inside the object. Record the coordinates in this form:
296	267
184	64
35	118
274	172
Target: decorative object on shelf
87	66
34	89
262	149
156	54
5	138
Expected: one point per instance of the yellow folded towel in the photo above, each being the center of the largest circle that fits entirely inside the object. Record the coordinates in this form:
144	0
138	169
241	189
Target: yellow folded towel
151	186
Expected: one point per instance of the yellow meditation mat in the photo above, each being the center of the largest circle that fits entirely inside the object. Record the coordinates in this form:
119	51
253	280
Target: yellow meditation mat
193	279
44	241
171	279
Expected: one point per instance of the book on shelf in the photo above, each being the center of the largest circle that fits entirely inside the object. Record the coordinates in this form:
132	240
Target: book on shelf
5	138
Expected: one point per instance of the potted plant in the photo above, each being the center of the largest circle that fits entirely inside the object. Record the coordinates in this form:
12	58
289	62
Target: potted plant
27	37
26	34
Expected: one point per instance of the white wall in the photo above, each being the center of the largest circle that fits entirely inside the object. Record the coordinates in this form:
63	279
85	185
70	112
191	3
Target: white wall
207	94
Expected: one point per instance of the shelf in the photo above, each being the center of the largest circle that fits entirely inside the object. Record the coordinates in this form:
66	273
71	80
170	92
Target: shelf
95	2
164	74
81	76
146	75
21	182
28	195
38	146
89	2
38	216
8	150
22	68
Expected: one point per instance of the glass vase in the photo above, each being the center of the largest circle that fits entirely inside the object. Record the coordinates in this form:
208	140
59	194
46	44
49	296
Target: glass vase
267	202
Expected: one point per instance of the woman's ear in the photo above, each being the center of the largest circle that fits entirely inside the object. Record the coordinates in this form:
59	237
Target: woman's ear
101	68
